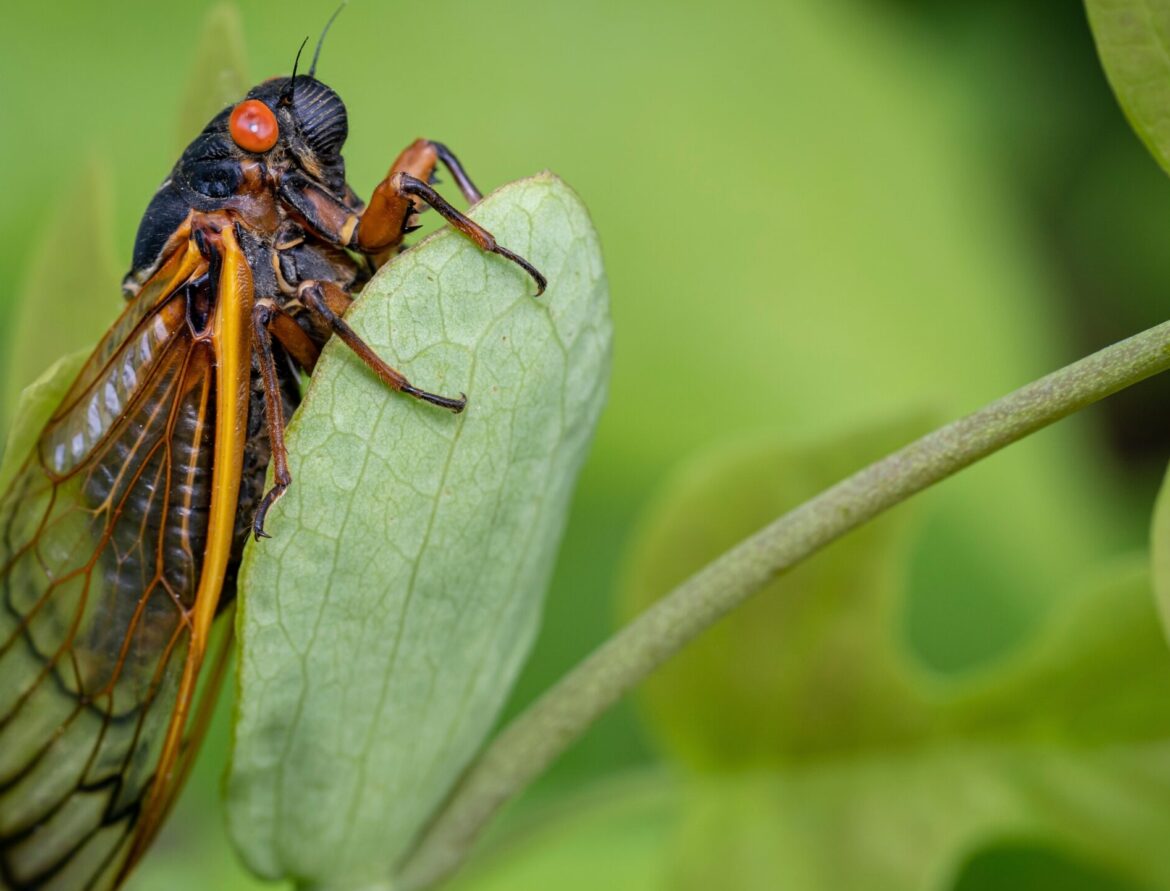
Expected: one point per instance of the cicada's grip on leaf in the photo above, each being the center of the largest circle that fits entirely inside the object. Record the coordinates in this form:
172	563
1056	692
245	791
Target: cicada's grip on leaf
383	624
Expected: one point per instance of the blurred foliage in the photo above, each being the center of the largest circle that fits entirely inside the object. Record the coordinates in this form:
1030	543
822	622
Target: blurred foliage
1160	551
814	214
810	666
219	76
1131	38
831	760
1063	745
65	306
610	836
1132	268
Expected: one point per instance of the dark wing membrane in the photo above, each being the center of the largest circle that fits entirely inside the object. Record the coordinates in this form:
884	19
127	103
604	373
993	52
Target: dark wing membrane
102	538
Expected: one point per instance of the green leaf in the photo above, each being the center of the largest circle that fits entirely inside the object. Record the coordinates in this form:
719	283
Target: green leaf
908	821
740	695
71	293
1064	745
383	624
1133	40
35	405
1160	551
1098	676
1016	865
219	74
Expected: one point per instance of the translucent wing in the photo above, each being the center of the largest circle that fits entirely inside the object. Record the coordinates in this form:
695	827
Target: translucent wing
113	549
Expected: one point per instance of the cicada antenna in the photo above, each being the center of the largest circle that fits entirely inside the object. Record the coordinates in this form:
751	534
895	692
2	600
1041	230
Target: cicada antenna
321	39
286	95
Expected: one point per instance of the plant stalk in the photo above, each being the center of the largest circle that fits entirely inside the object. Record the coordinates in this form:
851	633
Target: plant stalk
535	738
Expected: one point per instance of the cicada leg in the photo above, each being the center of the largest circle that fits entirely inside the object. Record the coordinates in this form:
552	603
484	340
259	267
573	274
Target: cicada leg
329	302
267	319
378	229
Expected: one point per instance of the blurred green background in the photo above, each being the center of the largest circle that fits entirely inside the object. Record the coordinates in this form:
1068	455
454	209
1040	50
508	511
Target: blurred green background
817	217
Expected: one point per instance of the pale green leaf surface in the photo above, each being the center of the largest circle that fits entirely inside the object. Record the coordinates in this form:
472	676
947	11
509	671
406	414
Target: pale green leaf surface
383	624
71	292
219	73
1133	40
1063	746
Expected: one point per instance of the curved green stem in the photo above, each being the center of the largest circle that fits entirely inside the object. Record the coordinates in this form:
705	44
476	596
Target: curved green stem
527	746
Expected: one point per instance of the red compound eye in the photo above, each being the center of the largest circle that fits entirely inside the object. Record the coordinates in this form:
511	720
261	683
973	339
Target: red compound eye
253	126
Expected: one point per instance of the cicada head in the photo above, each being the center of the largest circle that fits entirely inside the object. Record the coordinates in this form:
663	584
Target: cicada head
318	126
294	120
318	115
282	124
310	118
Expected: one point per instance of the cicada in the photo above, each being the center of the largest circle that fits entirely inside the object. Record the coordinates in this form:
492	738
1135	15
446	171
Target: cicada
122	531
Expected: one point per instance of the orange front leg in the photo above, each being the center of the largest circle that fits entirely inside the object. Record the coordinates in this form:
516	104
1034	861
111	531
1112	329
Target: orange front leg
384	222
